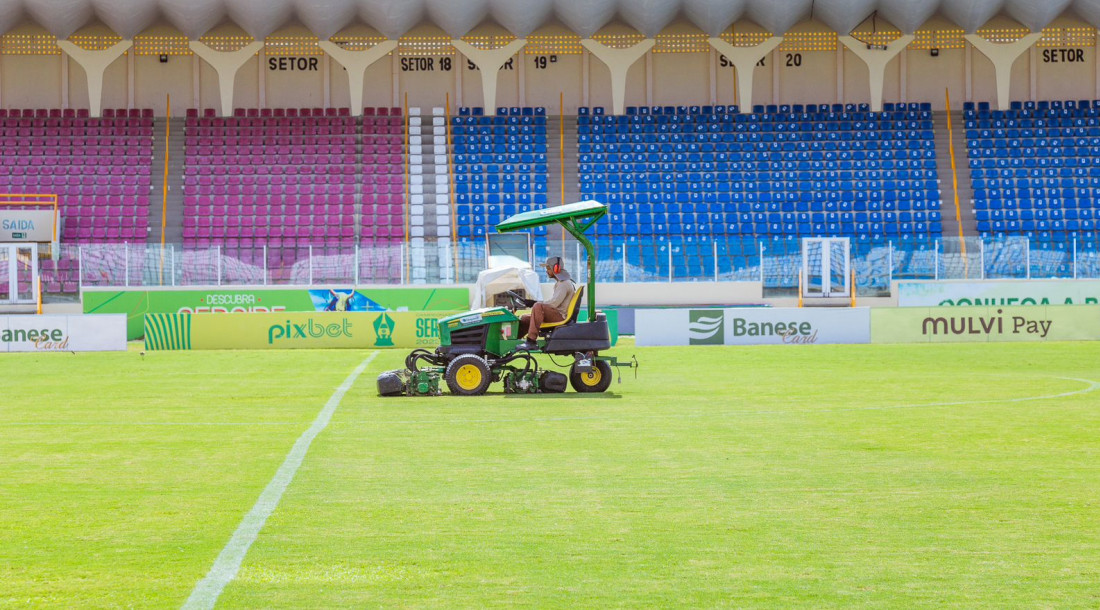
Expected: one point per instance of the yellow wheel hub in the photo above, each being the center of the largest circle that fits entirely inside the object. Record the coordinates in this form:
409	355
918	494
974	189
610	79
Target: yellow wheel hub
592	379
468	377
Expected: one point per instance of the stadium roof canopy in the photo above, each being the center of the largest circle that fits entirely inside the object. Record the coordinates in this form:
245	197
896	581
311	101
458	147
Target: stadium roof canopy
394	18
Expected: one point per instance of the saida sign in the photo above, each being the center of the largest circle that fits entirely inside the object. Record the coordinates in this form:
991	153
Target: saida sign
282	330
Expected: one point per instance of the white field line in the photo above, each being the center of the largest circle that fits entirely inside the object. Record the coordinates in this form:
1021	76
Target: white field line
207	591
1091	386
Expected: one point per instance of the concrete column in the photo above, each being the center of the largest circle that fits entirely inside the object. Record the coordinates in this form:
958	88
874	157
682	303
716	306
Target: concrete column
618	61
226	64
95	64
876	60
356	64
1003	55
744	62
489	62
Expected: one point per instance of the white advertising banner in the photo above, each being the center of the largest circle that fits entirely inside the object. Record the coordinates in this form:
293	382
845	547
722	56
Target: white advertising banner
58	333
998	293
752	326
26	225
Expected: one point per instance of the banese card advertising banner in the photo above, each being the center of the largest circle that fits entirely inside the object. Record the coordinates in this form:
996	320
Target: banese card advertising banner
998	293
59	333
985	324
136	303
752	326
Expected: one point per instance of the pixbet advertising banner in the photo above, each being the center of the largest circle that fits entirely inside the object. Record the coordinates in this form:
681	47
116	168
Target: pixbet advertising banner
136	303
284	330
985	324
751	326
998	293
56	333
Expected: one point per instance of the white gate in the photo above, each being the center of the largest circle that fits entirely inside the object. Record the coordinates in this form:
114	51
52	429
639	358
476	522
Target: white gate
18	274
826	267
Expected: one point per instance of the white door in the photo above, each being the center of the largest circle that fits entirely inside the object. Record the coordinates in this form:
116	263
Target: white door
18	274
826	267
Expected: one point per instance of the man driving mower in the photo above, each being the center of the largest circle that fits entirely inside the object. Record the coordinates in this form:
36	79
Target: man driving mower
550	310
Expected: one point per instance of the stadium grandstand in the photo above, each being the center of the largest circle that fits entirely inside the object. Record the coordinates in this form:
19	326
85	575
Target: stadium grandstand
293	143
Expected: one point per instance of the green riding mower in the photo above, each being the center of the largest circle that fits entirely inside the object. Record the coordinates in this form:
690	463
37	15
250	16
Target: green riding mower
480	347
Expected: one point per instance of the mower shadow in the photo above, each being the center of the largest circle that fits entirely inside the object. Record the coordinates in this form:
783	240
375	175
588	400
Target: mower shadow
561	395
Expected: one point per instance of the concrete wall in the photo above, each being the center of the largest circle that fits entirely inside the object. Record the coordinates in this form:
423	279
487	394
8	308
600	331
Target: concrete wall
700	77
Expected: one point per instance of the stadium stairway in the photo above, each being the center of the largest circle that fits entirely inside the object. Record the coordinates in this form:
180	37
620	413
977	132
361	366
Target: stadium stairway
943	169
173	232
429	188
554	163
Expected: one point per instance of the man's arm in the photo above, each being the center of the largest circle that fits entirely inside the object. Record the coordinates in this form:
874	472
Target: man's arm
563	291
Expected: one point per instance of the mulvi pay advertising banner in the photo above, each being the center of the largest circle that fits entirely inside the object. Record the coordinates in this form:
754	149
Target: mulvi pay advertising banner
136	303
752	326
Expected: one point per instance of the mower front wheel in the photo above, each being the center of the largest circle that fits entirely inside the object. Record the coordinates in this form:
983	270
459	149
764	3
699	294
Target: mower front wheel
468	375
598	380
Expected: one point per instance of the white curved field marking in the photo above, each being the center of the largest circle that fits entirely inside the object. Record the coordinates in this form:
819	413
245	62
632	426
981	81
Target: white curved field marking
1091	386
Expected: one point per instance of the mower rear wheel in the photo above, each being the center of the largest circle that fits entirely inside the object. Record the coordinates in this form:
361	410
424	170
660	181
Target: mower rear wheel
468	375
598	380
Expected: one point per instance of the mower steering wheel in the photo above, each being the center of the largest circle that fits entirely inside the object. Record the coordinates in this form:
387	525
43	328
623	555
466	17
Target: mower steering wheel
518	302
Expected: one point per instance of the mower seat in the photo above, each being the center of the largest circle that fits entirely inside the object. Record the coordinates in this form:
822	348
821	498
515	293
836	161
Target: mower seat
572	312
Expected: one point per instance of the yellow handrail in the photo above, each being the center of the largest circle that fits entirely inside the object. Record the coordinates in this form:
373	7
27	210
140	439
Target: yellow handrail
451	188
561	154
955	182
408	168
164	198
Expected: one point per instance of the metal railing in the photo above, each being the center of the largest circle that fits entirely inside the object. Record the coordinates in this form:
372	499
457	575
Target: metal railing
774	262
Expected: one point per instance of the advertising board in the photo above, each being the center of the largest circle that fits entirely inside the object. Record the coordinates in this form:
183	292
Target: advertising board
751	326
985	324
998	293
136	303
288	330
26	225
59	333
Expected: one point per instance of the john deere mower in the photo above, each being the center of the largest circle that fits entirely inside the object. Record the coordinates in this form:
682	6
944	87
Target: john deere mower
479	347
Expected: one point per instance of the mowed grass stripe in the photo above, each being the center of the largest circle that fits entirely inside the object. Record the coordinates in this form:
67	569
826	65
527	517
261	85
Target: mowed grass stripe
98	516
814	503
666	496
207	591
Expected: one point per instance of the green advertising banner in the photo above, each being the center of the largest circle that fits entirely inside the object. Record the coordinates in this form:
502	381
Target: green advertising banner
286	330
136	303
985	324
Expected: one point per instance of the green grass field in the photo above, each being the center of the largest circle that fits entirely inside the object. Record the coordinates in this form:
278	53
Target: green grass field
816	476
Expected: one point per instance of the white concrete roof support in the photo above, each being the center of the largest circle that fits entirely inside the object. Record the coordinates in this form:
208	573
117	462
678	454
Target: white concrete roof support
226	64
1003	55
618	61
356	64
744	61
876	59
95	64
489	62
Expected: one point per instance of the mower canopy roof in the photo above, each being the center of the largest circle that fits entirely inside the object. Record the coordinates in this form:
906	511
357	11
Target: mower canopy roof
573	213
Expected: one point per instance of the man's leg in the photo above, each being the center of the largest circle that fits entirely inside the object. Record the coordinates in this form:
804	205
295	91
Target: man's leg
539	314
525	322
